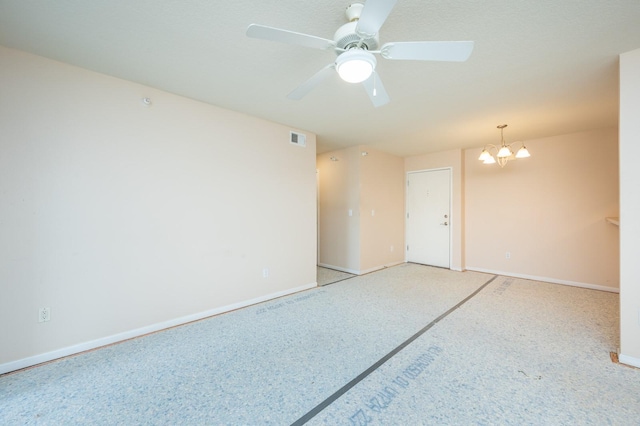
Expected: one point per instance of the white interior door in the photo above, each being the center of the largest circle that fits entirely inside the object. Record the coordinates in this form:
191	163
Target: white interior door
429	217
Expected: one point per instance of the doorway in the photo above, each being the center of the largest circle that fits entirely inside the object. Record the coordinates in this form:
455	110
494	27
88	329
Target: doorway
428	220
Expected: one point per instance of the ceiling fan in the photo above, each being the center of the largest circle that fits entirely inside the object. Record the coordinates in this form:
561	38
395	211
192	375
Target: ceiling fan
356	42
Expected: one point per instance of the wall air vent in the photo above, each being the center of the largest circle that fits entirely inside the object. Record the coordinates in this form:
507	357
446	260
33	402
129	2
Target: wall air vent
297	139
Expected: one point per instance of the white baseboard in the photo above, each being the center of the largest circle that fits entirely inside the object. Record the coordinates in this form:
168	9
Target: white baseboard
339	268
359	272
103	341
629	360
378	268
546	279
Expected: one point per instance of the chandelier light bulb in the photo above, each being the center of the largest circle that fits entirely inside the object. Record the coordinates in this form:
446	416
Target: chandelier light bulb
505	152
484	155
523	152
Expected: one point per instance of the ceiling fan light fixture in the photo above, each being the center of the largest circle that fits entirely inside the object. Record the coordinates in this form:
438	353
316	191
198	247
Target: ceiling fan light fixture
355	65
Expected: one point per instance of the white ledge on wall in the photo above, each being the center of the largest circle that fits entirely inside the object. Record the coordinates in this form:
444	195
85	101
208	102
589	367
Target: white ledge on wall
613	220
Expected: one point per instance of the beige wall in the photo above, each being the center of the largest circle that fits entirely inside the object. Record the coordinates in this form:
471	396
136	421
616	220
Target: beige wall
548	211
453	159
123	218
371	187
630	208
339	204
381	210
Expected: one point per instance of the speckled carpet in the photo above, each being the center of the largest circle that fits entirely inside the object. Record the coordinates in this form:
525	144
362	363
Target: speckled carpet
407	345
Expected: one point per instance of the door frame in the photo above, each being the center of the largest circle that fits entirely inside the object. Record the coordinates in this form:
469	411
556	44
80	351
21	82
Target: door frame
406	208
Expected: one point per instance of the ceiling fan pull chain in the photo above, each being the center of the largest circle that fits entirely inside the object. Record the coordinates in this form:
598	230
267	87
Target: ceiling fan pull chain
375	92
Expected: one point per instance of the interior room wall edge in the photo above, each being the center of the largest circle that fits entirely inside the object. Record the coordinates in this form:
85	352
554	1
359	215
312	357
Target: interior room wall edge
629	138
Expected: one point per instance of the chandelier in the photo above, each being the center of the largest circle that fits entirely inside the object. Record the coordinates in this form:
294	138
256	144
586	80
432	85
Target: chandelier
504	153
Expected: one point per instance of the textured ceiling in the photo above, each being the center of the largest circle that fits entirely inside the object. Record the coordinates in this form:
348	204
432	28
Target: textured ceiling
545	67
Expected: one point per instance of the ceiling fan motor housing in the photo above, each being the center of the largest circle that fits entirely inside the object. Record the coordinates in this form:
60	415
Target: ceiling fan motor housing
346	37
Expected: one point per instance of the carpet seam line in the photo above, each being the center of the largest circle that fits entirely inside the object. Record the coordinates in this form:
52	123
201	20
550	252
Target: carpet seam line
337	394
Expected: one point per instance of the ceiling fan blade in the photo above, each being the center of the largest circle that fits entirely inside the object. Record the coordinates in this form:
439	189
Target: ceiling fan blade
373	15
375	90
457	51
289	37
310	84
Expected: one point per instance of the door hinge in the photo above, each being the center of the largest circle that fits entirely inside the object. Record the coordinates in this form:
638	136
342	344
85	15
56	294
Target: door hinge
407	215
407	248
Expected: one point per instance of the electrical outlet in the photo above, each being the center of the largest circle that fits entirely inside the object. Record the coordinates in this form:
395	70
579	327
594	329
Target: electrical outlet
265	273
44	314
507	255
391	249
